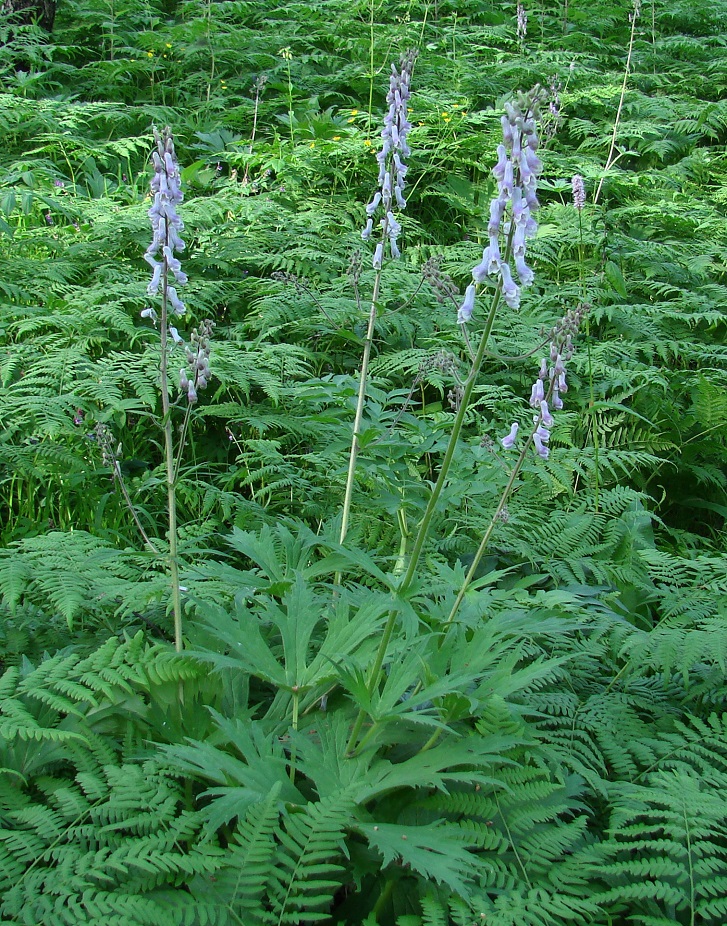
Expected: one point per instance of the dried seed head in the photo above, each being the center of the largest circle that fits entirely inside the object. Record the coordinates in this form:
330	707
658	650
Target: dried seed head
441	283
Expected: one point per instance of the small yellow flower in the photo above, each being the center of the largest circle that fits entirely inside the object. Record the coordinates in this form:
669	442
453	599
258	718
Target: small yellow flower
164	56
312	144
445	115
455	105
150	54
336	137
350	121
367	143
446	119
168	45
354	112
409	109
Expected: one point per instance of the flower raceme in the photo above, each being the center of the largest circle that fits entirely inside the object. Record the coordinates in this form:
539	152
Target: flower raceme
511	212
166	223
392	168
160	255
198	361
550	383
579	192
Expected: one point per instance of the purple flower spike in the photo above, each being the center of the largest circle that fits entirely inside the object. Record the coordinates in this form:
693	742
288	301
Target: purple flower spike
579	192
516	173
551	382
392	169
166	224
509	441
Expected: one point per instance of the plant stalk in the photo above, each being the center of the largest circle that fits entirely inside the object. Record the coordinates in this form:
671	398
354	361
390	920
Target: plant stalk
170	465
355	444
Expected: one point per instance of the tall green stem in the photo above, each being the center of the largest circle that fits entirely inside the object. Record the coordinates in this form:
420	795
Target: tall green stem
592	401
355	440
452	446
488	533
170	467
423	529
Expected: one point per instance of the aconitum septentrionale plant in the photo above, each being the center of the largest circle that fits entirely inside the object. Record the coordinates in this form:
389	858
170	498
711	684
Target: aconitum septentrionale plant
167	275
511	217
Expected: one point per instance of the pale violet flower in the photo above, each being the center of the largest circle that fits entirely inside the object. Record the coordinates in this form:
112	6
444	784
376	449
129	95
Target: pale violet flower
465	310
509	441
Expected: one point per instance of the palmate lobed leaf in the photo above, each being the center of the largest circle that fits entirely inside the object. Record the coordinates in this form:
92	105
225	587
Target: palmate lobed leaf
435	852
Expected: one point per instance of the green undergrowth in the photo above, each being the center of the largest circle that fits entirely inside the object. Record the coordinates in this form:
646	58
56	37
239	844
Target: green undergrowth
555	755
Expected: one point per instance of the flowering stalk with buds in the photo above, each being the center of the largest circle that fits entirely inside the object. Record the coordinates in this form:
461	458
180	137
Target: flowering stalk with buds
167	275
388	196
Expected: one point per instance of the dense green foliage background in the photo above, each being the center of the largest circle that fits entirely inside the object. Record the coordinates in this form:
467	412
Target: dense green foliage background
559	755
